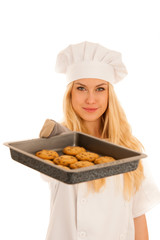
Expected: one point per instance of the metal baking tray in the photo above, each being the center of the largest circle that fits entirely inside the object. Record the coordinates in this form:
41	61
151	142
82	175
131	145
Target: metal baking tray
126	159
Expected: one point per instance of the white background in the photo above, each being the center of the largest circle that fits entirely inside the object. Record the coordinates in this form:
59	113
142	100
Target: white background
32	33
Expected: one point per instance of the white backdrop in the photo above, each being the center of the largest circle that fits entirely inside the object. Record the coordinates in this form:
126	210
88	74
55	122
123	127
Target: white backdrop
32	33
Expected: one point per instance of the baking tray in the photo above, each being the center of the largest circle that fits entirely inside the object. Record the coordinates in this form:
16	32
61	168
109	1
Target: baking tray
126	159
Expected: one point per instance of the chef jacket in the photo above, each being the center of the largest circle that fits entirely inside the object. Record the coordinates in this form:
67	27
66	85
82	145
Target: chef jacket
77	214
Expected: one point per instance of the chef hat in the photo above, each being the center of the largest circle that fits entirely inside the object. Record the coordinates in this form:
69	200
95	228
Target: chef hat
90	60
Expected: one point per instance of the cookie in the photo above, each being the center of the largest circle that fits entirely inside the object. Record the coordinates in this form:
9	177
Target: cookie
67	168
87	156
104	159
51	161
65	160
81	164
47	154
73	150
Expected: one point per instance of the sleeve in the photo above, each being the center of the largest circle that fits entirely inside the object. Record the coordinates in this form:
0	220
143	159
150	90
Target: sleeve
147	196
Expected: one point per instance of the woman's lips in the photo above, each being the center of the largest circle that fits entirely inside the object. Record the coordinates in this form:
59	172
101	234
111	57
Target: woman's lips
90	109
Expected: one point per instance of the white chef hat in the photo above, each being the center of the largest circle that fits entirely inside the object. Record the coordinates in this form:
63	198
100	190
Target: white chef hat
90	60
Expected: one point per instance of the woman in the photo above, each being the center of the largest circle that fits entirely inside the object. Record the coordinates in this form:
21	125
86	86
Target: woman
112	208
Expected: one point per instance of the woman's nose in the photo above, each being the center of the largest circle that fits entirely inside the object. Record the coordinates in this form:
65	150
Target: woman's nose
90	98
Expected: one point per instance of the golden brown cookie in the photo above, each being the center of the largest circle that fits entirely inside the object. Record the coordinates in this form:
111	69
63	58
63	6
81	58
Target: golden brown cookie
104	159
65	160
47	154
87	156
51	161
67	168
73	150
81	164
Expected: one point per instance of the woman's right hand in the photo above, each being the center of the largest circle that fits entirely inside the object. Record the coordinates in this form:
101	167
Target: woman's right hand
52	128
47	128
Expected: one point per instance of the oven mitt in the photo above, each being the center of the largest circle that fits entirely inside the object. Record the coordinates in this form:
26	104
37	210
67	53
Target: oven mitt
52	128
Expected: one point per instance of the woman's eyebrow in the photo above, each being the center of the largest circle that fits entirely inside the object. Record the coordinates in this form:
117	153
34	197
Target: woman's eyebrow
102	84
78	83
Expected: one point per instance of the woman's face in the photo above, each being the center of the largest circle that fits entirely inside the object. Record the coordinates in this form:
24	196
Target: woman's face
90	98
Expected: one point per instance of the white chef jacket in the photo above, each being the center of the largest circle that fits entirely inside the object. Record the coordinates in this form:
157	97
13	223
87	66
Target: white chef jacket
76	214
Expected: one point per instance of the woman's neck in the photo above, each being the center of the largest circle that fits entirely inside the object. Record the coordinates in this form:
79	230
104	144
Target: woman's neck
93	128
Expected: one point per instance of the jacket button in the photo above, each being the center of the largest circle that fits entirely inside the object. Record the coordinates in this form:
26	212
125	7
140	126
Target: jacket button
82	234
122	237
83	201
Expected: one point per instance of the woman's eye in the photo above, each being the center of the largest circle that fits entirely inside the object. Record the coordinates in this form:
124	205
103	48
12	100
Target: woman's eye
100	89
81	88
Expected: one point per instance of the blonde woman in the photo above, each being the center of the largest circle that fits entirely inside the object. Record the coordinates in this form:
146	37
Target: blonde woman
107	209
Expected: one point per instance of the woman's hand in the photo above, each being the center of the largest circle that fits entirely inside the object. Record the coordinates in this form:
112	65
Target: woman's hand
52	128
47	128
141	230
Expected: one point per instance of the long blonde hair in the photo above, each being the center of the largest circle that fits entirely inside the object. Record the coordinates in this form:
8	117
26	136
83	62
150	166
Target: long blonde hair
116	129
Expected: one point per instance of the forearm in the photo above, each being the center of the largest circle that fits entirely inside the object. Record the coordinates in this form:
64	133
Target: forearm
141	230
